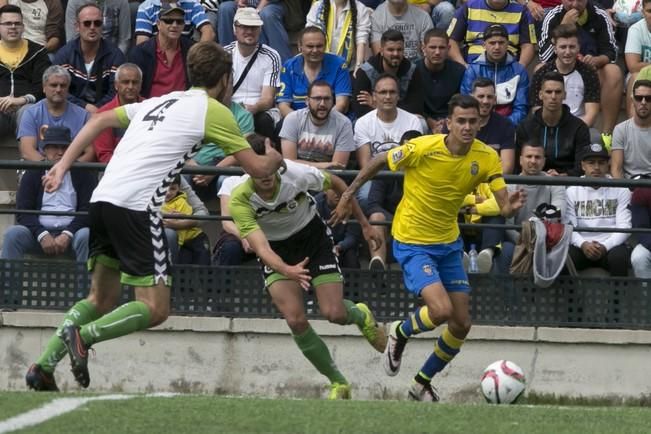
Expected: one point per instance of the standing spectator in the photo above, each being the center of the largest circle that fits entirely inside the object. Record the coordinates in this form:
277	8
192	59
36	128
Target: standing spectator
193	18
346	236
562	135
256	71
116	21
632	138
582	89
310	65
43	22
596	207
598	49
637	52
53	111
22	63
510	78
91	61
474	17
51	234
641	218
409	20
272	13
162	59
391	59
441	78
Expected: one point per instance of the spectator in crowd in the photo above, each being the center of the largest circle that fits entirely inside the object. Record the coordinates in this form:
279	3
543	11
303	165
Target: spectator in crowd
272	13
474	17
53	111
562	135
312	64
42	22
193	243
51	234
598	207
538	9
128	81
318	135
442	11
582	89
91	86
192	18
598	50
637	52
641	218
347	26
162	59
441	78
532	162
390	59
408	19
510	78
22	63
116	21
256	71
631	154
346	236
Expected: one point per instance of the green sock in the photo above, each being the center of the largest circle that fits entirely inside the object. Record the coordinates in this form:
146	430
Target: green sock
316	351
81	313
355	315
126	319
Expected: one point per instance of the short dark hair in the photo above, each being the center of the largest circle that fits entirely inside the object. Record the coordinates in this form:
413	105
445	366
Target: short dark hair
565	31
462	101
482	82
10	9
408	135
311	29
385	75
532	143
176	180
319	83
207	63
641	83
257	143
392	35
437	33
552	76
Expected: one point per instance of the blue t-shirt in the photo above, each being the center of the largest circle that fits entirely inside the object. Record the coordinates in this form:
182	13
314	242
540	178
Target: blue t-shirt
38	116
498	133
294	82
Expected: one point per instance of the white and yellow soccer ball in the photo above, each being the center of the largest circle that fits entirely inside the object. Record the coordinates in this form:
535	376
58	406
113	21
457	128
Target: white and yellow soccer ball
502	382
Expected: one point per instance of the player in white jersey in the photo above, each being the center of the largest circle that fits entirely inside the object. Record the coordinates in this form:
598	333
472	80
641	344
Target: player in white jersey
127	241
277	217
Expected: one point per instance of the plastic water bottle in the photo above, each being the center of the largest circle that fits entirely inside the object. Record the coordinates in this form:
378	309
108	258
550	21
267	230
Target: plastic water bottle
473	266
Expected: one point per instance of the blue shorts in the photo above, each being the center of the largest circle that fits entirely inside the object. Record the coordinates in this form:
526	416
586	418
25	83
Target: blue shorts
423	265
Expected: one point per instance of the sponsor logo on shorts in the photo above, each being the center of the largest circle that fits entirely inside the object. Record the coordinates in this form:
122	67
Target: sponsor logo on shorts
474	168
328	267
427	269
268	269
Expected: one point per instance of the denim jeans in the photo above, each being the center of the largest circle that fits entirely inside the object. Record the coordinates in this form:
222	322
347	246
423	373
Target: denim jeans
19	241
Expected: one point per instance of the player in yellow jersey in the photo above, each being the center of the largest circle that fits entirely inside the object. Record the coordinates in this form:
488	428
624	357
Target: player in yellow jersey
439	171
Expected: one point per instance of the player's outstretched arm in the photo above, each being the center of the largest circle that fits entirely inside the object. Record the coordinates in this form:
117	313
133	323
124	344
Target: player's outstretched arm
510	203
259	166
260	245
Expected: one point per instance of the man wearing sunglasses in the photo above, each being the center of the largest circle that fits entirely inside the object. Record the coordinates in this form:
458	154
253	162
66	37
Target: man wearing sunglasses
91	61
194	18
117	21
631	155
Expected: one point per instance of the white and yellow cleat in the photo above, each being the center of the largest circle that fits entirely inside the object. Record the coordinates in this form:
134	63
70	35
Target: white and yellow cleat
339	391
372	331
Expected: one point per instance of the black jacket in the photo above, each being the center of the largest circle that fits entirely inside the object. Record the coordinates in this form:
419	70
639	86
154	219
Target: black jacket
27	78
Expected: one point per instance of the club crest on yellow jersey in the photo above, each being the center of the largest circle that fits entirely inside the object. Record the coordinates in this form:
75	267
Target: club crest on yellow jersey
474	168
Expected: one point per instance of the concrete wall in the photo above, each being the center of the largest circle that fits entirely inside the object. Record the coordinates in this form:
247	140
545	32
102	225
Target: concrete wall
258	357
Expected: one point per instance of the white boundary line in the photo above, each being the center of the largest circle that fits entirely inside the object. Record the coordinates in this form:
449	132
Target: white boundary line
62	406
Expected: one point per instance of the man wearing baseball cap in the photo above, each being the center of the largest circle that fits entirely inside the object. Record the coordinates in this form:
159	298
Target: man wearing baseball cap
193	14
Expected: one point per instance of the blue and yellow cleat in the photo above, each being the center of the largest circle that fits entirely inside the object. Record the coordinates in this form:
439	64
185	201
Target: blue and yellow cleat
339	391
372	331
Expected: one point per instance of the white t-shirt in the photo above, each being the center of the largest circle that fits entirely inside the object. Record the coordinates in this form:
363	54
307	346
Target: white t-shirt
383	136
162	134
638	41
265	71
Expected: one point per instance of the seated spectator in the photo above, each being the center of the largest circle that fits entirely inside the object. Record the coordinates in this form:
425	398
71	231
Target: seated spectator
641	218
347	25
510	78
42	23
312	64
562	135
441	77
637	52
582	89
91	61
256	71
192	18
272	13
408	19
162	59
193	243
598	49
53	111
116	21
532	162
596	207
390	59
474	17
128	81
51	234
318	135
346	236
22	63
442	11
631	154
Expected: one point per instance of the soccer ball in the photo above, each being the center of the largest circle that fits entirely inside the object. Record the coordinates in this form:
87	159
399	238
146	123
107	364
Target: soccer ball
502	382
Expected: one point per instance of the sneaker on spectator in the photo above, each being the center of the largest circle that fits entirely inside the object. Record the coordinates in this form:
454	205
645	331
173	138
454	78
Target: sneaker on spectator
485	260
377	264
608	141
